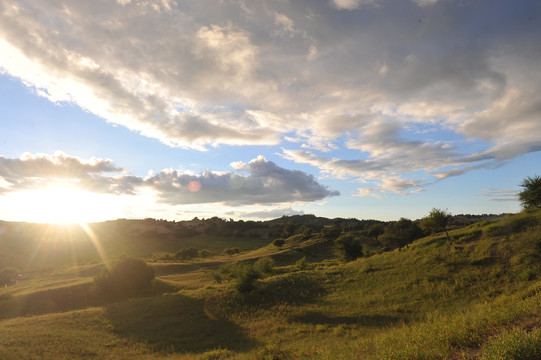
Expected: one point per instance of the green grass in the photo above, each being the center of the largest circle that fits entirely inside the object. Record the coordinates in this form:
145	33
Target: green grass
476	297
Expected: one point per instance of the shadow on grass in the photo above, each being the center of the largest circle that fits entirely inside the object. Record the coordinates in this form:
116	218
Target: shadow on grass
46	301
175	323
63	299
318	318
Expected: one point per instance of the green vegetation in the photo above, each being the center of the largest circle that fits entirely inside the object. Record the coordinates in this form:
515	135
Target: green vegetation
474	294
530	197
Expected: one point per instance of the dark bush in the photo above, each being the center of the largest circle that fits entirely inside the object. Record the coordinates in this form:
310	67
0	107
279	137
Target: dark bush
128	277
348	247
279	242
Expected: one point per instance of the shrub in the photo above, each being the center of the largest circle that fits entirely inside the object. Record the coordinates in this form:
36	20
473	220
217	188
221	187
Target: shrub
348	247
204	253
264	266
279	242
231	251
8	274
128	277
302	264
186	254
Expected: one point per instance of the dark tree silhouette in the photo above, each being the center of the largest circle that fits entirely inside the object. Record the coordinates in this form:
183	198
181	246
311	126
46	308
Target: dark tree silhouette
437	220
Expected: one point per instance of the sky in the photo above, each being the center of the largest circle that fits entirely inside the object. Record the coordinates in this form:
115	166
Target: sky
171	109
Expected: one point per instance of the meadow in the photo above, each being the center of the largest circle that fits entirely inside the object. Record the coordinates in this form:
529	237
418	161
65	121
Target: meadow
474	295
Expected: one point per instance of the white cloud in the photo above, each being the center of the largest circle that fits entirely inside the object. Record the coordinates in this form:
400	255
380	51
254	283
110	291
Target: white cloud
206	73
267	183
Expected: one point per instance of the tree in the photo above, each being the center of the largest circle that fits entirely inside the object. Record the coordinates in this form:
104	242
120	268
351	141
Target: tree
530	196
349	247
437	220
290	227
376	230
400	233
331	233
204	253
231	251
186	254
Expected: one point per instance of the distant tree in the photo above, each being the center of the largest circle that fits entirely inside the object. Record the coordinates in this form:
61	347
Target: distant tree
331	233
530	196
187	254
376	230
348	247
400	233
231	251
290	227
437	220
204	253
306	231
279	242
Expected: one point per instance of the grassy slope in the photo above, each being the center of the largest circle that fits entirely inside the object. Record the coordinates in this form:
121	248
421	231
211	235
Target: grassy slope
431	300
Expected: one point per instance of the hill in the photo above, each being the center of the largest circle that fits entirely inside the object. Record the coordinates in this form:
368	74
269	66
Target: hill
477	296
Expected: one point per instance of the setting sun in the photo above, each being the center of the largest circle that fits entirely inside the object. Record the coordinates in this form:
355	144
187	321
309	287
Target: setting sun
64	205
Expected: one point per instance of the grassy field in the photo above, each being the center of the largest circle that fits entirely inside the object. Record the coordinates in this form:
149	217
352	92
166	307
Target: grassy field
477	296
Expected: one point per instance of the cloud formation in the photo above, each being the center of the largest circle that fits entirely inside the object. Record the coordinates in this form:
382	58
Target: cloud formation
266	182
318	75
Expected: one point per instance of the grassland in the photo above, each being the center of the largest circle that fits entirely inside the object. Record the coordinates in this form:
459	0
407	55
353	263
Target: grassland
477	296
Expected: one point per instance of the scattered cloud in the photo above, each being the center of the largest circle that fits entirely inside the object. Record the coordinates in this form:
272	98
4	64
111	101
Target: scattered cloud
499	195
266	183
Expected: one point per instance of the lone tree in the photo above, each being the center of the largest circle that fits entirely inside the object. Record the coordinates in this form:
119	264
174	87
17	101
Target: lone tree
437	220
530	197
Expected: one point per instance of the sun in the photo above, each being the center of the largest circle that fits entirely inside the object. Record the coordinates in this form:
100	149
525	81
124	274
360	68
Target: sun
59	205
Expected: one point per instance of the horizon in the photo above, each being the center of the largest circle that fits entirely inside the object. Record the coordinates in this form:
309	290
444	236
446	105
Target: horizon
359	109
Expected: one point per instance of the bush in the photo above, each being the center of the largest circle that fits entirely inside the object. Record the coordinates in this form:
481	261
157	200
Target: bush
186	254
279	242
348	247
8	274
128	277
302	264
264	266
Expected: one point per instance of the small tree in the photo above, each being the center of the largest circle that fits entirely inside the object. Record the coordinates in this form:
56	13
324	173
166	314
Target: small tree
290	227
231	251
437	220
186	254
204	253
348	247
331	233
376	230
530	196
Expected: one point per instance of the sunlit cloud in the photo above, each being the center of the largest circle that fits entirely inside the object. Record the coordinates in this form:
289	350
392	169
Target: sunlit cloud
266	182
322	76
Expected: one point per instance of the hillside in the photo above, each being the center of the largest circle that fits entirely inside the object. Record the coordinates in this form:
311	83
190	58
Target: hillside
477	296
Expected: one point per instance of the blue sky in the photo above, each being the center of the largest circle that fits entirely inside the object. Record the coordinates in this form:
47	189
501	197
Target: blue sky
256	109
